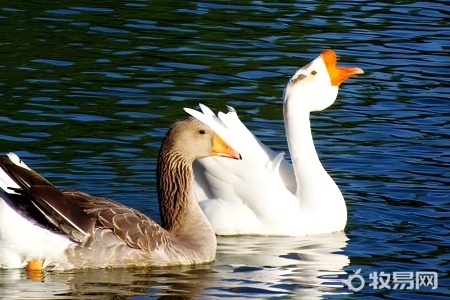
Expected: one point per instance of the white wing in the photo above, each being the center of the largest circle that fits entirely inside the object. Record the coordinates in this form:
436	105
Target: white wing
260	194
248	196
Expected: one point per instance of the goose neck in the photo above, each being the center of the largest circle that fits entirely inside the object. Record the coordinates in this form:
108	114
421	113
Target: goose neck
300	142
179	210
308	169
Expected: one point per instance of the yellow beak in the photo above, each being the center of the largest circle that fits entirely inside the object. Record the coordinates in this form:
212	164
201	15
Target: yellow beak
220	148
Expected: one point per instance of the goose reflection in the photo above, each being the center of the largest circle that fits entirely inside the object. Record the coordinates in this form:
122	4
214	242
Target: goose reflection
305	267
187	282
308	267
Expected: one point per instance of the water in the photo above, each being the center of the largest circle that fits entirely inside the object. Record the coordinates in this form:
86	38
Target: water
88	90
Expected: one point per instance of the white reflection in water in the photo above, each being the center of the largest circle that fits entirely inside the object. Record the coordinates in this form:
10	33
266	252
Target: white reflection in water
246	267
307	267
16	284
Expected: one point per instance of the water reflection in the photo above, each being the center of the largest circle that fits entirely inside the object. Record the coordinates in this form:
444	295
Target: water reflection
115	283
89	89
301	267
304	268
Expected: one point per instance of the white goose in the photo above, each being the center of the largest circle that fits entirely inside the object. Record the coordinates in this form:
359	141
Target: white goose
44	227
263	194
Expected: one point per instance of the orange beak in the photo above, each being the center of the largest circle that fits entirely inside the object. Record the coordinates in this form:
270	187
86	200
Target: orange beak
337	74
220	148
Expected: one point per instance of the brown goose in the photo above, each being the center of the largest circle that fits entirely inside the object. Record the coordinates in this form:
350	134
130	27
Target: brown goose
44	227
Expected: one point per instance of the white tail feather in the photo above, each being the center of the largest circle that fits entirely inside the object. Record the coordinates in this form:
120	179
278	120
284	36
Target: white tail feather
16	160
7	184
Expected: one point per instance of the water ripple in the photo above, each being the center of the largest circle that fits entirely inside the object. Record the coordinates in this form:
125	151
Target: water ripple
89	91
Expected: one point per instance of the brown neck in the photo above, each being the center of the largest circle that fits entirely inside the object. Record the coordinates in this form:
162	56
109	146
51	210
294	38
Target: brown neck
174	178
180	213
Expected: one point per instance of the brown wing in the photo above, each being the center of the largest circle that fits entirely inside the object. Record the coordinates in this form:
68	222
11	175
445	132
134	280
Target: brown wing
134	228
78	214
49	201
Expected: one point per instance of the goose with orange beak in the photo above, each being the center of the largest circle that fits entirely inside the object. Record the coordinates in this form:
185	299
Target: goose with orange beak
43	227
264	194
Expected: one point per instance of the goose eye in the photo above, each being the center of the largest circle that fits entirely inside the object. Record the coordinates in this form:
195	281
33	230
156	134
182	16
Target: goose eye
314	72
201	131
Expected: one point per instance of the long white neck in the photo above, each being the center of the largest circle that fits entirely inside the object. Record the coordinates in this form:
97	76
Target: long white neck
318	194
309	172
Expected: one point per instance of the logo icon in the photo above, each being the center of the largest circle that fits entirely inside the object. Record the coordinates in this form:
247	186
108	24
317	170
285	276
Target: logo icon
357	277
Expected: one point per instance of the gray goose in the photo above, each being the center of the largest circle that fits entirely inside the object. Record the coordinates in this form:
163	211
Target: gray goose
43	227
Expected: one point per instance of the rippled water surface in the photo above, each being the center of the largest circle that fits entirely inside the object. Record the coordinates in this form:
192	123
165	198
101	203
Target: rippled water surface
88	91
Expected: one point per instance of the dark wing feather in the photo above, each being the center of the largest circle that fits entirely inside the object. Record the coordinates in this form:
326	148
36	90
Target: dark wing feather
50	201
78	214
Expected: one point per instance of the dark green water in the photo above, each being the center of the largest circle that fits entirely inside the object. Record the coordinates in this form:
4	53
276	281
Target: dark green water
89	89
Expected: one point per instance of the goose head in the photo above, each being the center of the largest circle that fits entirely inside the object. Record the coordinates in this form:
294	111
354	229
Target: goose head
315	86
194	139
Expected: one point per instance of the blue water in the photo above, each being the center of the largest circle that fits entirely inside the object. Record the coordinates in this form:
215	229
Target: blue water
89	89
